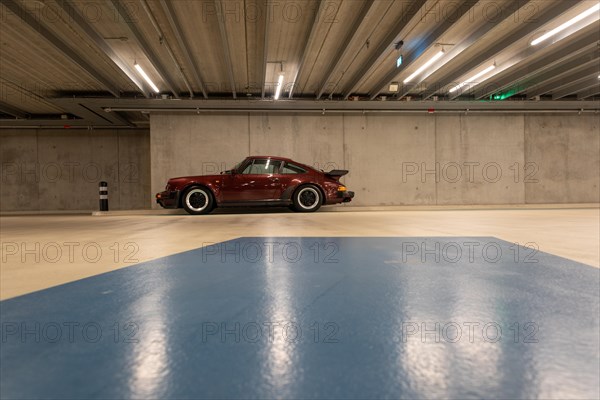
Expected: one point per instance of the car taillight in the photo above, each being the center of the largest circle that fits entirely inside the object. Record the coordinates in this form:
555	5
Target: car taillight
342	188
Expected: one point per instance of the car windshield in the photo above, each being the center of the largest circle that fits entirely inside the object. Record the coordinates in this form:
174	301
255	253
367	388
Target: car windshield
237	165
235	168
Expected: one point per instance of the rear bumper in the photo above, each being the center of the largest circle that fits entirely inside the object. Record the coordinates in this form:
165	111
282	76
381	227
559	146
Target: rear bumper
168	199
347	196
343	197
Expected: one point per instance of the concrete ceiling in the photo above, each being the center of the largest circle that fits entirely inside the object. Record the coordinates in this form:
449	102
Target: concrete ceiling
332	49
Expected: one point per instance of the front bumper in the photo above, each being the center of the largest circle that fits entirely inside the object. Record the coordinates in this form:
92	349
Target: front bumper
168	199
345	196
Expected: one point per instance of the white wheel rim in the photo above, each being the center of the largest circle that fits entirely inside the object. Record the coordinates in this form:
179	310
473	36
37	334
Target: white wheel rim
196	207
305	191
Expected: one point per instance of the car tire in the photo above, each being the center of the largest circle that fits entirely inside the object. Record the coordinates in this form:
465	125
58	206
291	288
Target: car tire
197	200
307	198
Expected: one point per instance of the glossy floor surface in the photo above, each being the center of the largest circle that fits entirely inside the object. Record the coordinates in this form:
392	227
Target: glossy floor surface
314	317
43	251
386	304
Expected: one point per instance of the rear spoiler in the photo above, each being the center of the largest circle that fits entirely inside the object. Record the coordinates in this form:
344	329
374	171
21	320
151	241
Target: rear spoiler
336	173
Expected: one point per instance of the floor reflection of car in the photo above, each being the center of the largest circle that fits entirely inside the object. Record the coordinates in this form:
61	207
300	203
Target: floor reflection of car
257	181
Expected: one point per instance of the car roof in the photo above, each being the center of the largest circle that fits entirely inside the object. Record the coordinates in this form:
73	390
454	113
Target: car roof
283	159
272	157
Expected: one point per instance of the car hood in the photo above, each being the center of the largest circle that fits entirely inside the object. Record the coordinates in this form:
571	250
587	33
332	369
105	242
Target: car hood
196	177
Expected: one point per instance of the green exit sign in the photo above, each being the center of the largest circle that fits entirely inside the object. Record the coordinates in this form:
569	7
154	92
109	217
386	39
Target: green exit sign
399	61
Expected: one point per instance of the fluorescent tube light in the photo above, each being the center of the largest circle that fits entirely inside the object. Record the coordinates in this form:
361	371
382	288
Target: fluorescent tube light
424	66
146	77
279	84
473	80
567	24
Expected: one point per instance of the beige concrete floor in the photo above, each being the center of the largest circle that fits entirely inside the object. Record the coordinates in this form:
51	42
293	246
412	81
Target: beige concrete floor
44	251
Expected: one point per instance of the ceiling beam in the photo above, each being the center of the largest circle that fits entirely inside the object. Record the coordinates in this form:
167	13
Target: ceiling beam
345	48
227	105
55	41
76	17
162	39
401	28
309	39
90	111
558	79
16	88
589	82
174	24
524	74
145	46
263	76
225	45
421	48
103	112
507	11
538	71
44	123
10	110
589	40
524	30
588	93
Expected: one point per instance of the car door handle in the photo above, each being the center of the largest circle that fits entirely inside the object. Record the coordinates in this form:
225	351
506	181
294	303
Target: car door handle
275	179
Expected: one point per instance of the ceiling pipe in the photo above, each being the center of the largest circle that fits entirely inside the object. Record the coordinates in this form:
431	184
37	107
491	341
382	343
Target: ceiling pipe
342	111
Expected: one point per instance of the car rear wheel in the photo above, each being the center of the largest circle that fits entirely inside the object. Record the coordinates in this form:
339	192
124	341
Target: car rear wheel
197	200
307	199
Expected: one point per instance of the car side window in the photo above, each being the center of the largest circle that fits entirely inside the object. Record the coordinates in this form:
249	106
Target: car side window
289	168
262	167
247	169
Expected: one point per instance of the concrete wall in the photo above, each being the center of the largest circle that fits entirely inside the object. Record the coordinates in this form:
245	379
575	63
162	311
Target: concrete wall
400	159
566	151
58	169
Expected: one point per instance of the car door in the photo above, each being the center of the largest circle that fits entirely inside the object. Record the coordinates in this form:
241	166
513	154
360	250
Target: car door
254	181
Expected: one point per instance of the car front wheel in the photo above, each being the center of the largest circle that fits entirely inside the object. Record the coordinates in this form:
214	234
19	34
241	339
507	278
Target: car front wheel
197	200
307	199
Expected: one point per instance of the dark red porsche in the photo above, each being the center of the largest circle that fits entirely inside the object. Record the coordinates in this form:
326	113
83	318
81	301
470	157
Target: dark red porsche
257	181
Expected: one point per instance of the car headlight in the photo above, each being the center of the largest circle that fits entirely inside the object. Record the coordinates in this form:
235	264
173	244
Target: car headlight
342	188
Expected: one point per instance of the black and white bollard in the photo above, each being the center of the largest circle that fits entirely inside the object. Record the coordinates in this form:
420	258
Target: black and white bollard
103	190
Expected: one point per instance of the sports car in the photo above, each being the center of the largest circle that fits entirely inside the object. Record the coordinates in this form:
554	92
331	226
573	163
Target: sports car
257	181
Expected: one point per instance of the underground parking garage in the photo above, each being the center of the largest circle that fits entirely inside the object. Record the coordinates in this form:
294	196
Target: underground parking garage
329	199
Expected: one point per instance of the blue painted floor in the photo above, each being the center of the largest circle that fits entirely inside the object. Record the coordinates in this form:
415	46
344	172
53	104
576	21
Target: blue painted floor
313	318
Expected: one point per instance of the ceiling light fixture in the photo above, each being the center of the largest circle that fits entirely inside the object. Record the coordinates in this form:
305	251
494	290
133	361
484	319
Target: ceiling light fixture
146	77
424	66
473	80
567	24
279	84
